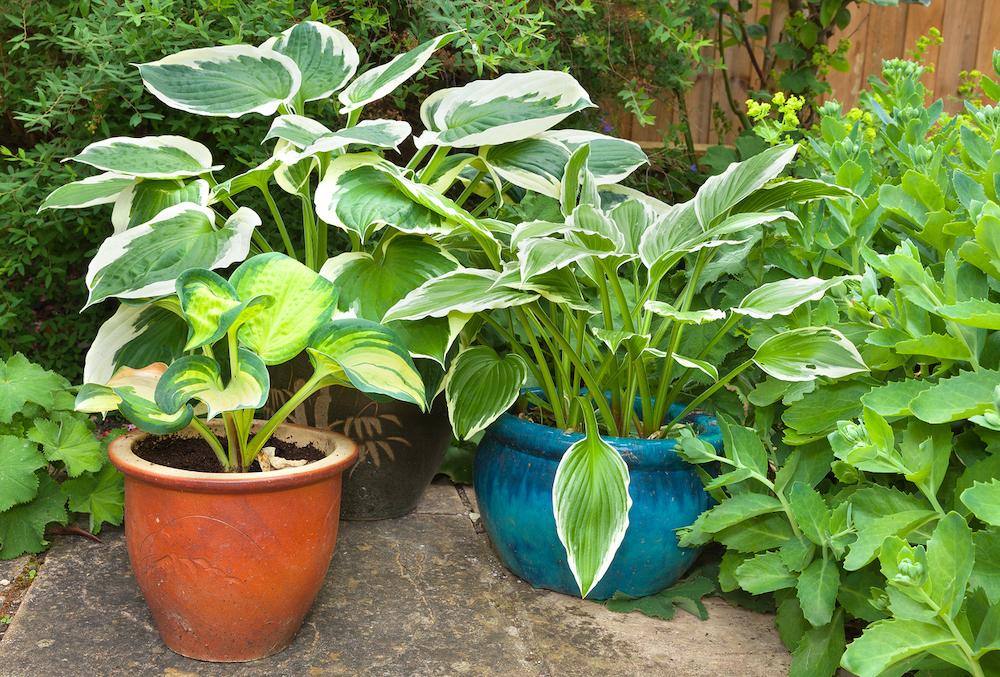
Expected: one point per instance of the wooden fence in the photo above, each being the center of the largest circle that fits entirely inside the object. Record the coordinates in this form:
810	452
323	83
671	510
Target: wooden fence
971	30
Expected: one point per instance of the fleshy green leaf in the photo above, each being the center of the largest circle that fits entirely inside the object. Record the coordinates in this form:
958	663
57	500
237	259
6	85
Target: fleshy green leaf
983	499
960	397
973	313
763	573
591	502
325	57
685	594
20	460
893	399
149	157
22	528
730	512
101	495
197	377
67	438
480	386
818	652
888	643
810	512
21	382
817	591
784	296
228	81
805	353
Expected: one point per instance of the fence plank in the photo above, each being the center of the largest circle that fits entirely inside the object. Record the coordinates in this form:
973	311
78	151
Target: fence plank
919	20
989	37
962	21
886	32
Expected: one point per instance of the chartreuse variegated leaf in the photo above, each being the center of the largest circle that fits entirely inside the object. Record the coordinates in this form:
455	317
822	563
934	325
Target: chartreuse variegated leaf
283	331
369	356
784	296
509	108
371	283
212	307
145	261
227	81
18	481
380	81
69	439
480	386
983	499
973	313
968	394
325	57
591	503
145	199
23	382
465	290
94	190
135	390
149	157
197	377
805	353
722	192
120	341
96	398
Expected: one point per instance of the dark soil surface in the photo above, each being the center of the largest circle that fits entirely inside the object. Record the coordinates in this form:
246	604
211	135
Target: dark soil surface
193	453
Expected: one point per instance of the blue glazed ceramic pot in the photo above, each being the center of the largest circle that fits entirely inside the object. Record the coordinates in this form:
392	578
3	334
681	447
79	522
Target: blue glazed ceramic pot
514	470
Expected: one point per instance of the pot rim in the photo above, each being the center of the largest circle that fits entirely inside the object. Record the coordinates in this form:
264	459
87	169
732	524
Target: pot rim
344	452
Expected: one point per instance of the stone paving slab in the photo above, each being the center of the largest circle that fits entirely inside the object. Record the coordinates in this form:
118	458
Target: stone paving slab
421	595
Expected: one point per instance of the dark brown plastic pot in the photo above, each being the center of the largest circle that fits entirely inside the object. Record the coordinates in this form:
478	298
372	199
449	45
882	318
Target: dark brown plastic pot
400	448
229	564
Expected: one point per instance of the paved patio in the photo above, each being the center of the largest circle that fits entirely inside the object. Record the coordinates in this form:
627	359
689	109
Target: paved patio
421	595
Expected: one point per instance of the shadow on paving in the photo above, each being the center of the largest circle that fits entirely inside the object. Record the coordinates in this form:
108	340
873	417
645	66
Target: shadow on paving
421	595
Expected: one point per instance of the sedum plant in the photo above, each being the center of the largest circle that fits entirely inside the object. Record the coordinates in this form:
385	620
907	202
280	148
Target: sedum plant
269	311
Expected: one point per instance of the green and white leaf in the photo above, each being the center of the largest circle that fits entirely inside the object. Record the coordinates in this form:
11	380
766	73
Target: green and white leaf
591	502
370	357
509	108
325	57
374	133
145	261
722	192
297	129
146	198
611	159
148	157
541	255
94	190
197	377
480	386
380	81
684	316
784	296
119	341
227	81
465	290
805	353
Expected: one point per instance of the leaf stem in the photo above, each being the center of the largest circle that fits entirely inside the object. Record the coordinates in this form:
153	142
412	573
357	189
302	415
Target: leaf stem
212	440
278	221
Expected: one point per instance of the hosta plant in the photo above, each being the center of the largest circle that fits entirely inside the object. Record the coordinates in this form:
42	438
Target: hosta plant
203	351
50	458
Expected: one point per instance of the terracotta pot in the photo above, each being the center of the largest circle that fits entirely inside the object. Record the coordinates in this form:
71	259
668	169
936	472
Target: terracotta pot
400	448
229	564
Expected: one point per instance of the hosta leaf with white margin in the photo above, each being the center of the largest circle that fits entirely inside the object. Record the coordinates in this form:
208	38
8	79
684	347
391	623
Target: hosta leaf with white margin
465	290
18	481
509	108
805	353
22	381
784	296
94	190
722	192
212	307
303	302
559	286
684	316
67	438
539	256
967	394
591	502
100	494
22	528
135	392
371	283
120	343
296	129
983	499
227	81
146	198
632	218
148	157
480	386
293	172
145	261
780	193
255	177
369	356
973	313
197	377
611	159
312	137
325	57
380	81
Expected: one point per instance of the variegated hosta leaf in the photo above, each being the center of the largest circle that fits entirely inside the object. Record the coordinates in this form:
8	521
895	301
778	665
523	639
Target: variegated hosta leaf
256	177
121	341
722	192
701	365
135	390
370	284
380	81
632	218
684	316
491	112
480	386
611	159
369	356
784	296
540	255
212	307
303	302
374	133
94	190
146	198
297	129
465	290
145	261
805	353
197	377
227	81
293	171
325	57
559	286
149	157
591	503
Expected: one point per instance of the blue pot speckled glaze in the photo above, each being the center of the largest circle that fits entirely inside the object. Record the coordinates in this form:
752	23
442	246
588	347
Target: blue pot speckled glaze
514	470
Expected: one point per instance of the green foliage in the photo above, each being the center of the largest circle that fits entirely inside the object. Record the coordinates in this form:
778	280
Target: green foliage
48	455
686	594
